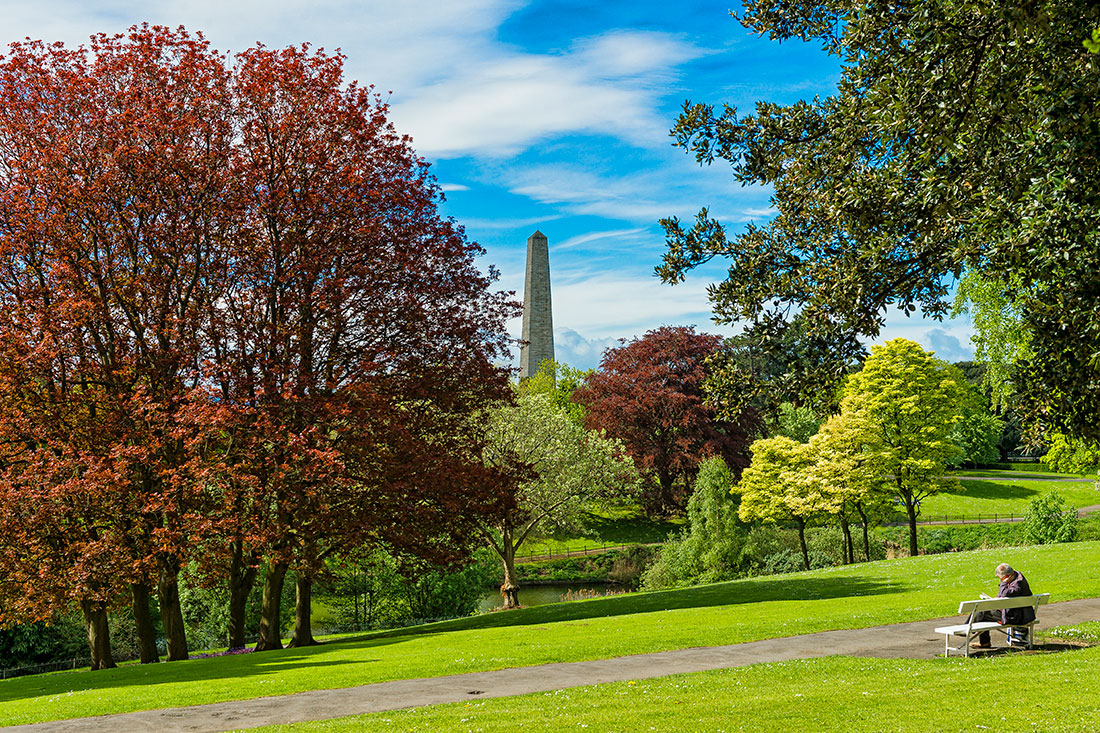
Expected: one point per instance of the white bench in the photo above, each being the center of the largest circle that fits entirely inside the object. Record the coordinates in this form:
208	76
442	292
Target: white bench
971	629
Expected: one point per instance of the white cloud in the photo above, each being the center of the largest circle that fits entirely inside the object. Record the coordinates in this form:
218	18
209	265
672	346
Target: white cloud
448	187
591	237
501	102
580	351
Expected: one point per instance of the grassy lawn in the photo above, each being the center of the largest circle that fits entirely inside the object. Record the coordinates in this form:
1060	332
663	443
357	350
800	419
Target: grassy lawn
854	596
1048	692
1006	496
612	527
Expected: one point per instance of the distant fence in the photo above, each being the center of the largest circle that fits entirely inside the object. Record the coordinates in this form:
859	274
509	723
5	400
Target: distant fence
6	674
923	519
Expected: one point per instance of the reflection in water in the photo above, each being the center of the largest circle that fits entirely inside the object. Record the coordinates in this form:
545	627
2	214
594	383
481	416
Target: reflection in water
540	595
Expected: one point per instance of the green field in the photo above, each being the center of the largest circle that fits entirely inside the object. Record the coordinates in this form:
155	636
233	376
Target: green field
1006	496
1047	692
612	527
854	596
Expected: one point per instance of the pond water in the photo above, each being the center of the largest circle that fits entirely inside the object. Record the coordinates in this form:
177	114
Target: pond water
539	595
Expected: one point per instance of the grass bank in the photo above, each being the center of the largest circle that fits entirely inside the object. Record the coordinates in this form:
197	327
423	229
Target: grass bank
853	596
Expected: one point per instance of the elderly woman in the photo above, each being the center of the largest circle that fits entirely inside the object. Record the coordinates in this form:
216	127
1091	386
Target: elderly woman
1013	583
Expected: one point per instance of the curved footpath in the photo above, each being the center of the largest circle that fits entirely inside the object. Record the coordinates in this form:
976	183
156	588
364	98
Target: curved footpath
914	640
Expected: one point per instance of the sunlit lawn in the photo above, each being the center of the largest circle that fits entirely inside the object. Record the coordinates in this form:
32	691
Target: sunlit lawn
759	608
1006	497
1046	692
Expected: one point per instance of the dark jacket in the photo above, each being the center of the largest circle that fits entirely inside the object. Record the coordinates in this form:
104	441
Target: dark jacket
1016	586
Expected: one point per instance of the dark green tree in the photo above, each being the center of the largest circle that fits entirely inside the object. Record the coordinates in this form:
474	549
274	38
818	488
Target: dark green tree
962	136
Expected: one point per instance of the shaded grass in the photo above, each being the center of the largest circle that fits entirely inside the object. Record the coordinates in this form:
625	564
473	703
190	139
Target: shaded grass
1046	691
854	596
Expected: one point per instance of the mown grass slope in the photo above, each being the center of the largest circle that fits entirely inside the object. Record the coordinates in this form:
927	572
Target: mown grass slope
854	596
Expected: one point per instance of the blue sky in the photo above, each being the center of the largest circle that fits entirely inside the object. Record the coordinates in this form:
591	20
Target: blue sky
549	115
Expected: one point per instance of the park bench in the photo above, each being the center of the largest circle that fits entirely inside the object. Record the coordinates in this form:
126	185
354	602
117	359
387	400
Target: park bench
971	629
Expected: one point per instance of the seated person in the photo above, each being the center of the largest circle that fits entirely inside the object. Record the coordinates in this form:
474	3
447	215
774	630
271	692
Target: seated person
1013	583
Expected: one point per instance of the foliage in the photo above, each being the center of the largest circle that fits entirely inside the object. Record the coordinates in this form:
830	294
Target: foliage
904	403
797	423
234	328
774	488
775	361
1069	455
649	394
615	566
559	470
27	644
1049	520
1001	339
961	137
711	547
977	435
558	381
956	538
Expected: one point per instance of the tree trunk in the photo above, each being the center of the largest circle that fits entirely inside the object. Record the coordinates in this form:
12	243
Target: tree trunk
171	614
849	550
303	626
866	540
99	637
242	578
271	635
509	589
143	623
911	511
802	543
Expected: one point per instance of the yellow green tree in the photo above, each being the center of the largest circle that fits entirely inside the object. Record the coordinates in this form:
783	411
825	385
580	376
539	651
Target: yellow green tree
844	470
774	488
906	401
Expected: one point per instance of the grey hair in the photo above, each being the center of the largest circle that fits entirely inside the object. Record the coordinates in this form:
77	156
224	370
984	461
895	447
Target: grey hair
1004	569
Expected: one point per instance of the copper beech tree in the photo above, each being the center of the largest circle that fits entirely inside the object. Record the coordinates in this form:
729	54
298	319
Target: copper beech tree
649	394
234	331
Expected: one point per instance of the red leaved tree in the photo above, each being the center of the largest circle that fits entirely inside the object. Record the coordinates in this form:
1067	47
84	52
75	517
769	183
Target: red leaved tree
649	394
113	220
357	339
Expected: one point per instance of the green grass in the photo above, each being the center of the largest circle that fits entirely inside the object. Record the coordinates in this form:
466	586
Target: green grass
758	608
1048	692
1005	497
613	527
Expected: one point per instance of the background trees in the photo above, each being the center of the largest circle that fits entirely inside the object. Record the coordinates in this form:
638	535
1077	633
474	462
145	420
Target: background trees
649	394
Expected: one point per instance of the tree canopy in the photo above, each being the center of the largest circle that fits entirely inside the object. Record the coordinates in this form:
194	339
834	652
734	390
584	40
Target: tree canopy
649	393
905	403
962	137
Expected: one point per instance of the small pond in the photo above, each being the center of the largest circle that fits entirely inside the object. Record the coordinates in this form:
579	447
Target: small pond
539	595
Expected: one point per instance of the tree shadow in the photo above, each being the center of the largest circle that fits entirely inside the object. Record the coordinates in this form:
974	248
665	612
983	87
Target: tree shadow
235	667
737	592
975	489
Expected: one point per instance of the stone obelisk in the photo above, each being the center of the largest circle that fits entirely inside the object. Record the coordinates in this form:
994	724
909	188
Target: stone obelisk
538	323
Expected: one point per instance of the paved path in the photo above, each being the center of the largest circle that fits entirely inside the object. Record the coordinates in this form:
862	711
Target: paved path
914	640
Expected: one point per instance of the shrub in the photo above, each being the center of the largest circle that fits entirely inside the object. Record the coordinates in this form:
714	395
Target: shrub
1048	520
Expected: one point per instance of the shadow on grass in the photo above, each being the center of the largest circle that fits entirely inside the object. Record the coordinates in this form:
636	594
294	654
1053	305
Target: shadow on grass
753	590
229	667
995	490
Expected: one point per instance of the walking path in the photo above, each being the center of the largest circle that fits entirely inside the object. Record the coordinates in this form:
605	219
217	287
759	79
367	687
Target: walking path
915	640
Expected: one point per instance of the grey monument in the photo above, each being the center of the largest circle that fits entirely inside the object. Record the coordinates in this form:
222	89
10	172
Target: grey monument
538	323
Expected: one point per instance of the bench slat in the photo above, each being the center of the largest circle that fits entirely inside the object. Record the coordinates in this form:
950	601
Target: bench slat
993	604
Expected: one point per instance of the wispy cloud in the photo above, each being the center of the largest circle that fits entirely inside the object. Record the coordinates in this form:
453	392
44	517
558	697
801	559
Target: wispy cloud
448	187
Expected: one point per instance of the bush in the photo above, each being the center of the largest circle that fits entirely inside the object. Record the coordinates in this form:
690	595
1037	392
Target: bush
1048	520
711	547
